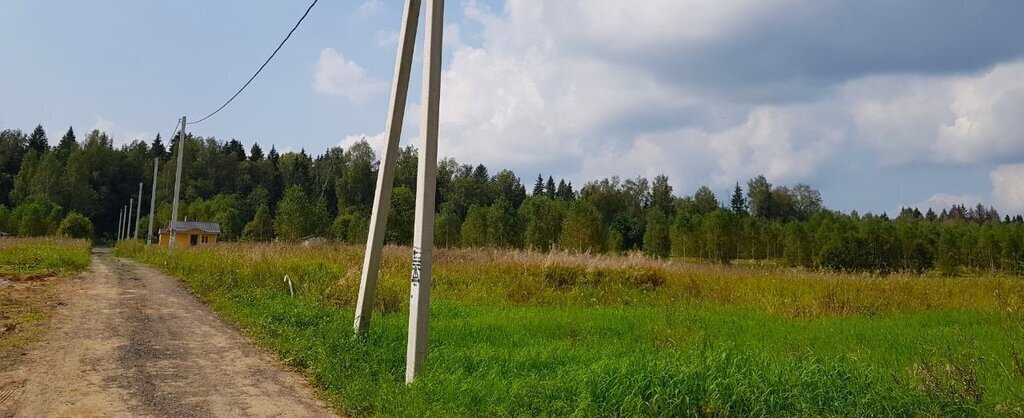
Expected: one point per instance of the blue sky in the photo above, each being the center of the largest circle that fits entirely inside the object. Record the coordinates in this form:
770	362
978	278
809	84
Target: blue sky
876	103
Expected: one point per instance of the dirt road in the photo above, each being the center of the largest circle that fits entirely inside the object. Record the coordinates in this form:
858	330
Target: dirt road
129	341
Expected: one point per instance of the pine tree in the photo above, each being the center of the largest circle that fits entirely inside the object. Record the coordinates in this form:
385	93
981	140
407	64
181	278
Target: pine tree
549	188
538	186
738	203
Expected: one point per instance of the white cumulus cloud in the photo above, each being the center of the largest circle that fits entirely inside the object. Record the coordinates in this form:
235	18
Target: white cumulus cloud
336	76
1008	187
939	201
369	8
103	125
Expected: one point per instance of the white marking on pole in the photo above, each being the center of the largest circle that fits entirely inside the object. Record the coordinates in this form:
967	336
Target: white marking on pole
386	174
423	238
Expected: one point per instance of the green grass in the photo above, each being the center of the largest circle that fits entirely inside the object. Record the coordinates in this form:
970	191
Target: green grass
42	257
529	334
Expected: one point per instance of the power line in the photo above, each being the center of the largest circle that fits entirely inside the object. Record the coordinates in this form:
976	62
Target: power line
261	67
174	130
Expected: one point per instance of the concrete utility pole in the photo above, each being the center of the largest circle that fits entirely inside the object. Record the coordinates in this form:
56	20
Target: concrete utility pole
152	202
386	173
128	219
138	212
120	224
124	218
423	239
177	177
426	182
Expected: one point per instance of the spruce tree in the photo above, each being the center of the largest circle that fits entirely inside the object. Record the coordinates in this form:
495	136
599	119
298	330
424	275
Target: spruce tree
738	202
273	156
549	188
37	141
157	149
538	186
68	144
255	153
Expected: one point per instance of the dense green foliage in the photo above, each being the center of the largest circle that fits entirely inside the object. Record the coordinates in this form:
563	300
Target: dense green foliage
40	257
523	333
295	196
75	226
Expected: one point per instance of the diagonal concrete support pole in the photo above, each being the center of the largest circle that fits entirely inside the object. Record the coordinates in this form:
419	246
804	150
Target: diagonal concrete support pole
386	173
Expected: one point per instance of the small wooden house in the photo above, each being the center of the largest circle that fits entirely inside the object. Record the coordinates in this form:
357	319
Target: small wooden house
190	234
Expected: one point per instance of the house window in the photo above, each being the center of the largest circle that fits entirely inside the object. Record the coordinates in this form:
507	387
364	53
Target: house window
206	239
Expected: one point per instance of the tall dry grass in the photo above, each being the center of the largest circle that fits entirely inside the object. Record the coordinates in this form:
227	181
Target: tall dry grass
330	273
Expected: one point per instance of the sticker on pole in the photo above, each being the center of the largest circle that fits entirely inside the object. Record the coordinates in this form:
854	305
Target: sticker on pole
417	263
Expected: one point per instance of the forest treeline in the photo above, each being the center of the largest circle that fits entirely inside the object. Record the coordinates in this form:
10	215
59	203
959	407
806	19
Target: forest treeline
78	188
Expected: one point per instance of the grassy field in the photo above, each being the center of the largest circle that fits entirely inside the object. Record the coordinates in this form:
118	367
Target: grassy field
28	267
518	333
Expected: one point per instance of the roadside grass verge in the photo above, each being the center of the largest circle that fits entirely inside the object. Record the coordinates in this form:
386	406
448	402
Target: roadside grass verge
26	293
26	258
529	334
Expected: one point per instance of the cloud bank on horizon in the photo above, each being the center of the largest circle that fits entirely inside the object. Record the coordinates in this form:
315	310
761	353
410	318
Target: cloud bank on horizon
713	92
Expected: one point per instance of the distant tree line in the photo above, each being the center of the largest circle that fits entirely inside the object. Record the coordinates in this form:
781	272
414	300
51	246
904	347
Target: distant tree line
78	187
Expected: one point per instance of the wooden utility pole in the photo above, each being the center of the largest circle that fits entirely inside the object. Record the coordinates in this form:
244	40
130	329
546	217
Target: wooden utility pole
177	177
423	239
426	182
386	172
138	212
152	202
120	224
